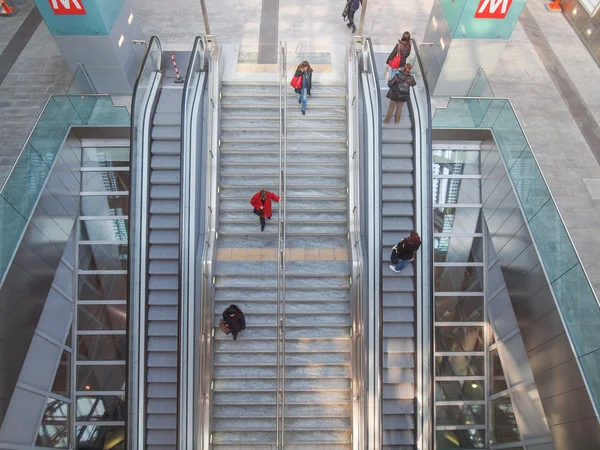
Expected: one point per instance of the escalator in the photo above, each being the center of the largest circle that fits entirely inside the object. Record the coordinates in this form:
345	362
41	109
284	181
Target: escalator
156	298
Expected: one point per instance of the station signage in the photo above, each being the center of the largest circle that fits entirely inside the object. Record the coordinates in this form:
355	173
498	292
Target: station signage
492	9
67	7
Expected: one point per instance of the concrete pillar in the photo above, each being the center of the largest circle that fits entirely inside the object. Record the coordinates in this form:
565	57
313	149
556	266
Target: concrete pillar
97	34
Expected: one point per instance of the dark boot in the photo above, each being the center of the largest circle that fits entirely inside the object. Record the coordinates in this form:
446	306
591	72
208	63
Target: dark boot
234	336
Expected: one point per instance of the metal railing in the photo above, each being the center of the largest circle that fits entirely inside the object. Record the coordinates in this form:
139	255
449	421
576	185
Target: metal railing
356	285
420	103
190	203
205	344
143	104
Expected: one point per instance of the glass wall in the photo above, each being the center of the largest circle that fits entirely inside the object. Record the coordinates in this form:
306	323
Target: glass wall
460	334
101	315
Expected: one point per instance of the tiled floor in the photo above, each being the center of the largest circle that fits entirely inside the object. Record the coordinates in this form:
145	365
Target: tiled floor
310	26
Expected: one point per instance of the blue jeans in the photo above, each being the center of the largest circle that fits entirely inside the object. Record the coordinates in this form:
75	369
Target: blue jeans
394	72
401	264
302	97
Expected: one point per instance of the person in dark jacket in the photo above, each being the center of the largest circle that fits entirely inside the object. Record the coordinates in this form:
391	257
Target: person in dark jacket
404	251
234	319
403	47
305	71
354	5
263	206
399	92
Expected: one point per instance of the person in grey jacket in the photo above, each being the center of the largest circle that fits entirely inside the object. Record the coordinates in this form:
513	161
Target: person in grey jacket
399	93
354	5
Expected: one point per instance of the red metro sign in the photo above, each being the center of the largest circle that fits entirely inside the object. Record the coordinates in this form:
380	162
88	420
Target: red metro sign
67	7
492	9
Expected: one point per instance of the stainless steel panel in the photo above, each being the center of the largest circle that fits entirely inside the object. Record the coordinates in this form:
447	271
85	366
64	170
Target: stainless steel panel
501	314
515	361
509	228
36	266
42	246
526	260
571	406
542	330
19	307
495	187
530	309
495	279
532	282
559	379
496	217
577	435
550	354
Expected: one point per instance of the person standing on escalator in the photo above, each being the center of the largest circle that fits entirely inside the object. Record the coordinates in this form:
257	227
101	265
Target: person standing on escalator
404	251
263	206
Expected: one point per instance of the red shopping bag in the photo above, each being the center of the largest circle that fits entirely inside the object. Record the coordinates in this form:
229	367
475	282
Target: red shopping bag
296	82
395	62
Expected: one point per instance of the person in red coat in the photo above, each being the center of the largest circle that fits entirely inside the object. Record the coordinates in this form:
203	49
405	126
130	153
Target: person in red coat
262	206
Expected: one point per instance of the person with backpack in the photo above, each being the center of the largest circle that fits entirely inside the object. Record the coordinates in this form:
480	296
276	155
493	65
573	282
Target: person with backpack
352	6
263	206
399	54
233	321
399	93
404	251
302	82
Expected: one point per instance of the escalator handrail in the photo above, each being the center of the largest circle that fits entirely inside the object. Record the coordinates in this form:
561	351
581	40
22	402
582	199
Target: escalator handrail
187	245
135	403
425	274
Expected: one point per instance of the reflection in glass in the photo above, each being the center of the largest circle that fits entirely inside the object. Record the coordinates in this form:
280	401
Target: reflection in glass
460	415
103	230
504	423
109	181
54	429
457	220
498	383
459	366
105	157
103	257
102	347
459	309
60	385
450	191
102	287
468	390
458	279
101	407
104	205
447	439
101	317
101	437
101	378
456	162
459	339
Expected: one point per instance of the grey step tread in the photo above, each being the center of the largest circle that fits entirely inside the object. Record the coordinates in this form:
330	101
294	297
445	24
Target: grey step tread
166	133
315	181
318	194
270	359
394	375
399	315
266	90
402	165
164	267
161	406
159	251
399	345
291	373
398	299
163	313
160	236
400	391
255	282
398	360
162	359
248	227
163	343
168	119
160	437
293	206
164	207
270	384
270	320
165	148
397	150
164	222
246	216
325	423
231	135
389	179
162	421
163	298
318	346
165	177
397	224
161	390
294	398
390	208
250	123
268	410
266	159
232	111
398	437
254	101
270	307
295	171
292	147
398	422
270	333
163	282
165	162
162	328
397	194
164	192
270	295
396	136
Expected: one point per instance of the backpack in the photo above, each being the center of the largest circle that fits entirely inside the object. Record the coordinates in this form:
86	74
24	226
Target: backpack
346	11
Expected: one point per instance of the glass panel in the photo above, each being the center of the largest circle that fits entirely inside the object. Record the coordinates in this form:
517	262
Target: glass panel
104	181
503	421
456	162
102	347
467	390
105	157
590	364
457	190
11	227
498	382
103	257
460	415
459	309
104	230
459	339
102	317
102	287
54	429
471	439
457	249
101	407
105	205
101	437
459	366
101	378
63	376
458	279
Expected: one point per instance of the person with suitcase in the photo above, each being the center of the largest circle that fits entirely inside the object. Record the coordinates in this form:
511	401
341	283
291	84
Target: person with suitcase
404	251
233	321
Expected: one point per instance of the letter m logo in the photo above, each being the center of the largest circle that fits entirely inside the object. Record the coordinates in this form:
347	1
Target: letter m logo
492	9
67	6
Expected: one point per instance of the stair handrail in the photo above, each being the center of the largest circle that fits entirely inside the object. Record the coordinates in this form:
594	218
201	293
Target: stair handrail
189	193
356	278
279	262
283	194
147	85
421	104
206	338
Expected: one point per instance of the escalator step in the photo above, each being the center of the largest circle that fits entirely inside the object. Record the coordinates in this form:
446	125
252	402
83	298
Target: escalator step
164	252
162	374
164	192
164	222
163	282
165	163
164	207
165	148
165	177
162	267
166	133
164	236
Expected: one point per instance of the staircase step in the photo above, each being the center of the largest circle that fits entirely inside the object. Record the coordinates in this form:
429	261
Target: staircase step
270	295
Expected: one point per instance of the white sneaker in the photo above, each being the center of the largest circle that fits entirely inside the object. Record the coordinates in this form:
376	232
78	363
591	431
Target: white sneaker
393	268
